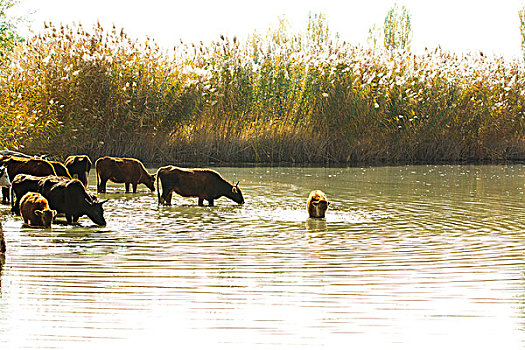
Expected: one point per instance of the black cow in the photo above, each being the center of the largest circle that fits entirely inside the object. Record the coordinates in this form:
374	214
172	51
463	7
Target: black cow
79	165
70	197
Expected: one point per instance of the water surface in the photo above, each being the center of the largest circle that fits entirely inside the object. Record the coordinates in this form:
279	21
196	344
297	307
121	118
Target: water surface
407	257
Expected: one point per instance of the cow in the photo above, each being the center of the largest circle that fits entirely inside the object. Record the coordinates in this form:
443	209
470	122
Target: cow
317	204
205	184
31	166
122	170
35	210
22	184
60	169
79	166
70	198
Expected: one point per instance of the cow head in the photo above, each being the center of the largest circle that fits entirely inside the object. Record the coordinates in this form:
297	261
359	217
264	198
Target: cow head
149	181
47	216
317	204
236	194
4	177
96	212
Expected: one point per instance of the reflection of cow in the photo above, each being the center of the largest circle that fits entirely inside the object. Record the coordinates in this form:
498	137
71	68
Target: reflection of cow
2	243
317	204
70	197
60	169
80	166
35	210
122	170
31	166
204	184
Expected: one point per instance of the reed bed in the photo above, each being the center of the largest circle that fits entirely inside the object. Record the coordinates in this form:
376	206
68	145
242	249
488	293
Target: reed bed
272	98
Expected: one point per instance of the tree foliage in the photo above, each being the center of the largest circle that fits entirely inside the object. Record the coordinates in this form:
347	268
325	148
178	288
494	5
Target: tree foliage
8	36
396	32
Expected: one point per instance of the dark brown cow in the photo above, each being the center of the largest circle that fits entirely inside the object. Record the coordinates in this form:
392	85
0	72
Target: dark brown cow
35	210
79	165
122	170
31	166
71	198
204	184
317	204
60	169
23	183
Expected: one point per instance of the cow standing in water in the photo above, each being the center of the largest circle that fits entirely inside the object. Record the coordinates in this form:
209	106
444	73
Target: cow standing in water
70	197
204	184
79	165
122	170
31	166
317	204
35	210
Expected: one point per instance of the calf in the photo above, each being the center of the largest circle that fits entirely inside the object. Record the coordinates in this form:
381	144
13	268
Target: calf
317	204
70	197
35	210
204	184
122	170
79	166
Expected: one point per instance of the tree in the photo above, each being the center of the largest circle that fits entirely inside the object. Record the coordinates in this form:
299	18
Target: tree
8	36
396	32
398	28
521	14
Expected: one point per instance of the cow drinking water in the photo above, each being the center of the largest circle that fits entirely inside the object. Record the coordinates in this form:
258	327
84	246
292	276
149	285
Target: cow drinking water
205	184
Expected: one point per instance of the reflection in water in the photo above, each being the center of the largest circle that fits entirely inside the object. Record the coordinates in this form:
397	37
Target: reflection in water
406	257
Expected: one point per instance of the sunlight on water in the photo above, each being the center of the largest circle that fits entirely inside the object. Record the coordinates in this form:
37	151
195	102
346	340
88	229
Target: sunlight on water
407	258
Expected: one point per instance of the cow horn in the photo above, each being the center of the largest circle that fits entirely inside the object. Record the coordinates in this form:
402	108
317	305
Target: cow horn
237	184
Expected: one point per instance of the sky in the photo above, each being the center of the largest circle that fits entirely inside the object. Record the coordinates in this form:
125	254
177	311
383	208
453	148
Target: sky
456	25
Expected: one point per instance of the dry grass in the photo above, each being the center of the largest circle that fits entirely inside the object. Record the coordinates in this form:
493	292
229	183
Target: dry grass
274	98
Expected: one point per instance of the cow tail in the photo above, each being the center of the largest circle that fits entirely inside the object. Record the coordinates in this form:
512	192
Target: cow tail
158	191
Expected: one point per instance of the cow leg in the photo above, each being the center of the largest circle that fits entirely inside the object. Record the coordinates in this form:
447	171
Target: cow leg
102	186
69	218
210	202
5	195
135	187
127	187
201	202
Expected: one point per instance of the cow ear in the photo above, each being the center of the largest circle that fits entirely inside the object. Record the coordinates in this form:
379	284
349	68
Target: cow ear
39	212
104	201
234	189
54	213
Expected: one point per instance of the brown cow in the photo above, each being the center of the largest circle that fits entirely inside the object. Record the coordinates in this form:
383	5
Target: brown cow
317	204
35	210
31	166
79	165
122	170
60	169
204	184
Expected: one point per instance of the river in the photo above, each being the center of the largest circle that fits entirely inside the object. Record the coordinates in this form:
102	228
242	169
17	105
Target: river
408	257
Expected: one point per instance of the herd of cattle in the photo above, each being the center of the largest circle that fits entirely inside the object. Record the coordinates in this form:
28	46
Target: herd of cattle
39	189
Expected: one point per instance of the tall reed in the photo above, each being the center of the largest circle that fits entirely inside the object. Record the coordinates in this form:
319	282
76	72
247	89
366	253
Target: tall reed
278	97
